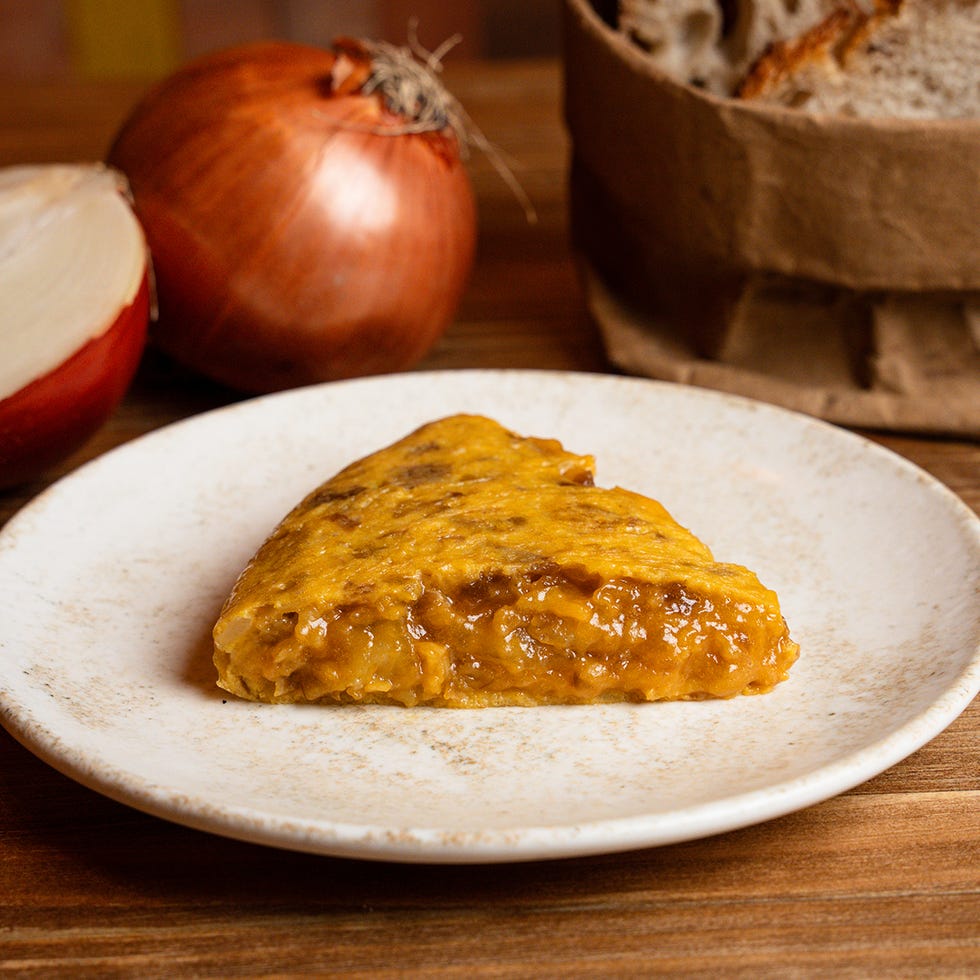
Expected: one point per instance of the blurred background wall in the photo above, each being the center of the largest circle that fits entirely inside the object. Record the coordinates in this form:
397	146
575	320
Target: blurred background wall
147	38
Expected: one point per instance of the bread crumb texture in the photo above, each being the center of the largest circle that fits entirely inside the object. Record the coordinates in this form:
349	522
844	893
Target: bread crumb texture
914	59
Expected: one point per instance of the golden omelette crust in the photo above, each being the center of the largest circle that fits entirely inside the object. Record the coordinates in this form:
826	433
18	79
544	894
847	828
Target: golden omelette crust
466	566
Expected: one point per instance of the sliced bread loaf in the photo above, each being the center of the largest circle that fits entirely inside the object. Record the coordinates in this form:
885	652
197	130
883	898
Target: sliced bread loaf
908	58
712	43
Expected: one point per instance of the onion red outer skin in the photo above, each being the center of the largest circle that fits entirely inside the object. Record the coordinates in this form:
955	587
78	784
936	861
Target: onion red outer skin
51	417
291	243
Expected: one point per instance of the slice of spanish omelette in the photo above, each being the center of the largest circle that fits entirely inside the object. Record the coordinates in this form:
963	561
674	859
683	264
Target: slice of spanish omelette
466	566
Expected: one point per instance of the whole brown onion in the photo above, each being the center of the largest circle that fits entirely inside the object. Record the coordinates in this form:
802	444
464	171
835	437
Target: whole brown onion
307	211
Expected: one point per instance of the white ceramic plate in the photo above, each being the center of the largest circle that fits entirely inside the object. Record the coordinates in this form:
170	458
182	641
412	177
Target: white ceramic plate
111	580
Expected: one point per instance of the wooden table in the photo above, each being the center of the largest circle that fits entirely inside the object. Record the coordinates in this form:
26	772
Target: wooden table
883	880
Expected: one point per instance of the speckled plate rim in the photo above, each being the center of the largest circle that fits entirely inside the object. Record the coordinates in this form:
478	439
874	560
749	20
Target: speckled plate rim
439	844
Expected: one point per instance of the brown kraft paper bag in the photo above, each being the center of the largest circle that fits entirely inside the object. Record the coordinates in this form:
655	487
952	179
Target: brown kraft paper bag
830	265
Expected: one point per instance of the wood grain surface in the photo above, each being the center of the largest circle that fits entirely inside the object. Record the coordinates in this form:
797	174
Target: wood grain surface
881	881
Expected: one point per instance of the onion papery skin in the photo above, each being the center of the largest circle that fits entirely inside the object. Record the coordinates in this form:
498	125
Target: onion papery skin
51	417
292	243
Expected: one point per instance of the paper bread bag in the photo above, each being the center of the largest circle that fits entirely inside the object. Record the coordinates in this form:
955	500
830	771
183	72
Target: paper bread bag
825	263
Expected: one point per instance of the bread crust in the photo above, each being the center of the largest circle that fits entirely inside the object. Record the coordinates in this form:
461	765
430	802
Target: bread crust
832	42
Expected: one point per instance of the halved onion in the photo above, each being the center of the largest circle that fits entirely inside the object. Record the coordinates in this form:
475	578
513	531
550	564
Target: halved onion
74	309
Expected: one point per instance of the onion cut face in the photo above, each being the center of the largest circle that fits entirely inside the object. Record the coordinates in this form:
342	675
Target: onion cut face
74	308
301	230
